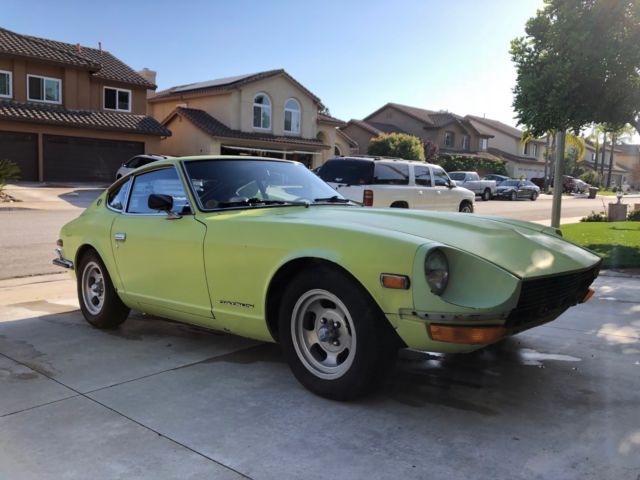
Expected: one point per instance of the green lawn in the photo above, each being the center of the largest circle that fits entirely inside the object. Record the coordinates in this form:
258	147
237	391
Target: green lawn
617	242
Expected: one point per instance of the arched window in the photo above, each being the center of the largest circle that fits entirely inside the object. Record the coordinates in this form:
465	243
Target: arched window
261	112
336	151
292	116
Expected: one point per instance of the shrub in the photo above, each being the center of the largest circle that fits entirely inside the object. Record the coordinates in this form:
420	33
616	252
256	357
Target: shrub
595	217
473	164
8	171
397	145
431	151
634	216
592	178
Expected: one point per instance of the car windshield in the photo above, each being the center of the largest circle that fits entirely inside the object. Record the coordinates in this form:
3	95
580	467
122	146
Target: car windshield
349	172
510	183
456	176
234	183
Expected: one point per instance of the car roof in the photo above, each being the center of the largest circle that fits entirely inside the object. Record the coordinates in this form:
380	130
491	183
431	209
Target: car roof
383	160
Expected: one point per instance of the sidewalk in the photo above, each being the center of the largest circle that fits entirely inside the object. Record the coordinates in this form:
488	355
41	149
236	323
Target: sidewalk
44	196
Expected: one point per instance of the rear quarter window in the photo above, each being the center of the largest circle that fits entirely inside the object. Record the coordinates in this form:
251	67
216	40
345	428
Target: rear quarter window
391	174
349	172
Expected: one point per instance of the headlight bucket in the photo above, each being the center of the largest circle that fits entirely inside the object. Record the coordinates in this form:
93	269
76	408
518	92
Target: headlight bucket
436	270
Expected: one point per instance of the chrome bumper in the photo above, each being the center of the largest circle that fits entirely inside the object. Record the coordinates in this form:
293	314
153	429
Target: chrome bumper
62	262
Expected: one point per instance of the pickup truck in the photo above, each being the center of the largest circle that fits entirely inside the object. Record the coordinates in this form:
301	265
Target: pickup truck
471	181
396	183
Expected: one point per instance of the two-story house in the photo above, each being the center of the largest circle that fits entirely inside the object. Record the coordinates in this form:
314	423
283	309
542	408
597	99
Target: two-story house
267	114
523	158
69	112
625	156
452	133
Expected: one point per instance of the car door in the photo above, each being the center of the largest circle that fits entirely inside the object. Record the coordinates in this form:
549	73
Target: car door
424	193
444	198
159	257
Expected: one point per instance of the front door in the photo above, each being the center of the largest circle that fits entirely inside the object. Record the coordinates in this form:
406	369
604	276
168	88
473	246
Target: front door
159	257
445	200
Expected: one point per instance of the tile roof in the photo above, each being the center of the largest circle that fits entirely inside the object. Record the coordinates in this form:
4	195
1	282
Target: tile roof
498	125
351	141
376	128
216	128
514	158
420	114
94	120
226	84
102	63
323	117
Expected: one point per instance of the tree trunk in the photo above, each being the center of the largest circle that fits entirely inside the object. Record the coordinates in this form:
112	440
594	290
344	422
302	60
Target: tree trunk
595	161
545	182
557	181
613	142
604	150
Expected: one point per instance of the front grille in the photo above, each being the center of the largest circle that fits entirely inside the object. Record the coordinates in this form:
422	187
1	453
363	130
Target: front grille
551	295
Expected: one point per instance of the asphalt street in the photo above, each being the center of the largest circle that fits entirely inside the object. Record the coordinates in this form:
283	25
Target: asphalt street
159	400
29	230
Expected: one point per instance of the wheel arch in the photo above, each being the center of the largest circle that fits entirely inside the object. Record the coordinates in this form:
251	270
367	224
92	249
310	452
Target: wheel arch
399	204
290	269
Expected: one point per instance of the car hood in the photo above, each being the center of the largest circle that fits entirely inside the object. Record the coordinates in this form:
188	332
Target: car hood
522	248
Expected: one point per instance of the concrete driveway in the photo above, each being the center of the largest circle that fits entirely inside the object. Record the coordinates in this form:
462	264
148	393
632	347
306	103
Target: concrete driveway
160	400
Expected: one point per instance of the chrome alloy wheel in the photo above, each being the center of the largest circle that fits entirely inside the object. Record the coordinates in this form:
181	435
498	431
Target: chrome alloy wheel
323	334
93	288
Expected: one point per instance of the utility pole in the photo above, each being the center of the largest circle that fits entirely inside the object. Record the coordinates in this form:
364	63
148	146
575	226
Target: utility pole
557	180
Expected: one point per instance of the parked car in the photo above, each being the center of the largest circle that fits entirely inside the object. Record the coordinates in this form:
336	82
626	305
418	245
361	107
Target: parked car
497	178
471	181
515	189
264	249
580	186
137	162
396	183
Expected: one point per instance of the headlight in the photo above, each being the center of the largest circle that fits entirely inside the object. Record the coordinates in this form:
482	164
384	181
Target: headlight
436	269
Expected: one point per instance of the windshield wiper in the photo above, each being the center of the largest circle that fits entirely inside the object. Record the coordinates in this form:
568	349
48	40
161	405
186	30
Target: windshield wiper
334	199
257	201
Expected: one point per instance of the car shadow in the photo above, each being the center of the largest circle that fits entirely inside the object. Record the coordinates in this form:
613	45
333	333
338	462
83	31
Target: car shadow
82	197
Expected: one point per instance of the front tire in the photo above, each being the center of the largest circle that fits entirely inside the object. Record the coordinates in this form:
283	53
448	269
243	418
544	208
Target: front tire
514	196
534	196
466	207
335	338
99	301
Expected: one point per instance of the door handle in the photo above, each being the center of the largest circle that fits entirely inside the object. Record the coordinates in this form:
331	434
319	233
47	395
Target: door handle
120	237
419	192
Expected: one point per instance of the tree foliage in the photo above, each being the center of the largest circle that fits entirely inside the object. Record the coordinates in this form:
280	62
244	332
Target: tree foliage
578	64
397	145
473	164
431	151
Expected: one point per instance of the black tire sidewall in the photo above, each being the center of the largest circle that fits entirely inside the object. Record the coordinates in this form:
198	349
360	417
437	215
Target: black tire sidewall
113	312
373	342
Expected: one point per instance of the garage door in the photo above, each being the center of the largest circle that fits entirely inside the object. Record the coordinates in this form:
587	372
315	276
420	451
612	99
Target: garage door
75	159
21	148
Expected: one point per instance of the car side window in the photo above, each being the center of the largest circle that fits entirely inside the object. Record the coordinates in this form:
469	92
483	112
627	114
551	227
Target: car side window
423	176
388	174
440	177
133	163
118	196
164	182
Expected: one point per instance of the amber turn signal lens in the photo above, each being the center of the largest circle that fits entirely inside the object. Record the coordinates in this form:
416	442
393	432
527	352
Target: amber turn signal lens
467	335
59	242
389	280
588	296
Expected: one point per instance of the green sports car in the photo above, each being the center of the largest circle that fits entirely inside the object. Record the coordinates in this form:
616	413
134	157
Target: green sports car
264	249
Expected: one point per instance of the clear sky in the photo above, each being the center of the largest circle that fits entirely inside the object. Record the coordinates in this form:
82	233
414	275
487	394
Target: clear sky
354	55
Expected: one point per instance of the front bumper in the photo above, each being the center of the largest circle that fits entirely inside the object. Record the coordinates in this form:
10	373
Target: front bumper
62	262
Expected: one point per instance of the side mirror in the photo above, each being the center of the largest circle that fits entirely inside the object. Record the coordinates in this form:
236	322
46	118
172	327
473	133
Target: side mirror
452	183
163	203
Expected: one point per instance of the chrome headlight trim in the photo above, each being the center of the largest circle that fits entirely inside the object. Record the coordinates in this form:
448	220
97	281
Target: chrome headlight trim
436	270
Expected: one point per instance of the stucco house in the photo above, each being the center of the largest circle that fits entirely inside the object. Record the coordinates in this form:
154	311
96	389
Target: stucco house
624	157
69	112
267	113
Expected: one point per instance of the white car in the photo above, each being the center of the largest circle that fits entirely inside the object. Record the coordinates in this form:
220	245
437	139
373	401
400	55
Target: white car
137	162
396	183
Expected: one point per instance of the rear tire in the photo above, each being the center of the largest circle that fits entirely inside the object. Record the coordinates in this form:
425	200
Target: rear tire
486	195
99	301
335	338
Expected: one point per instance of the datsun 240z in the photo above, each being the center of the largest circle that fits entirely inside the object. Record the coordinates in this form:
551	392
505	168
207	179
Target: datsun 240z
264	249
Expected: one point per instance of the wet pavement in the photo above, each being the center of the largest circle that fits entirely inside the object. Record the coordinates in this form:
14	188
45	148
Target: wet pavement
156	399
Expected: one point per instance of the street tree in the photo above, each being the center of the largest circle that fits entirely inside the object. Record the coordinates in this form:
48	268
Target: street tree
578	64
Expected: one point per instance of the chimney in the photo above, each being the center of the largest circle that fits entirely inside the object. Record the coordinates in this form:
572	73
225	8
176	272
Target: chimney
100	46
149	76
78	48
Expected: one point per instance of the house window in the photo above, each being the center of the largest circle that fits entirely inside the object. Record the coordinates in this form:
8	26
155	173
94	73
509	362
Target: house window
336	151
483	144
117	99
593	156
43	89
526	148
534	149
5	84
292	116
465	142
448	139
261	112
